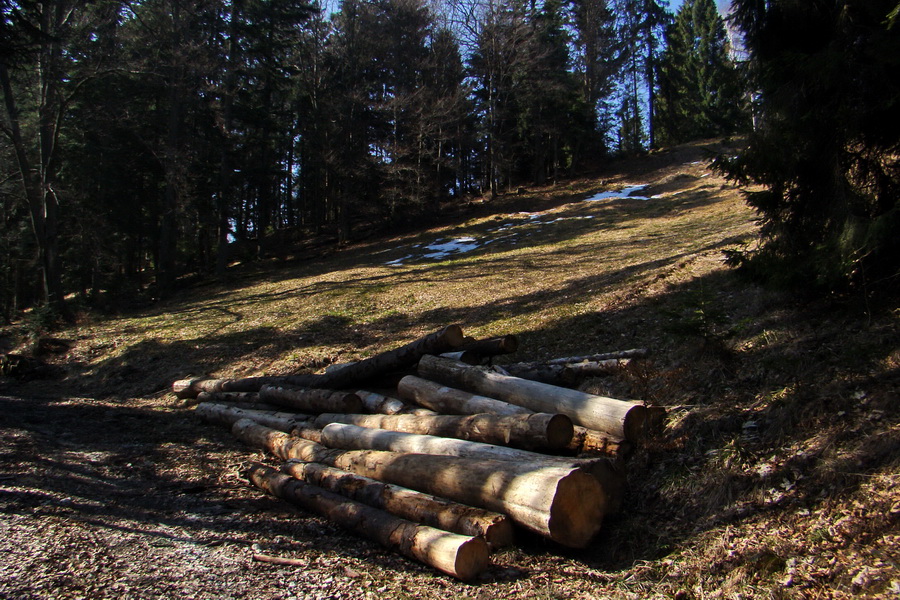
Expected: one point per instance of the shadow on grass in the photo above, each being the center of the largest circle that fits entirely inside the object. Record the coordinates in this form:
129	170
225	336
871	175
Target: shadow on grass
153	474
775	407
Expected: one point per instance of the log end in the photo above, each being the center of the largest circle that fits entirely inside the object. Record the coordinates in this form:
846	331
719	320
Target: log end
509	343
349	403
184	388
634	424
577	510
453	335
559	432
499	534
461	556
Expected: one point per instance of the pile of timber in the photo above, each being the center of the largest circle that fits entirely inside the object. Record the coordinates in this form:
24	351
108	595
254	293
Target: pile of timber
448	462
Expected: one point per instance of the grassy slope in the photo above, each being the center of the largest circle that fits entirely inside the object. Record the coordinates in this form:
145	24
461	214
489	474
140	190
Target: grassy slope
776	475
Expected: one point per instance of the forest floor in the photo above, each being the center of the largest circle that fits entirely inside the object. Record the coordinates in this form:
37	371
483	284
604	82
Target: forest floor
777	476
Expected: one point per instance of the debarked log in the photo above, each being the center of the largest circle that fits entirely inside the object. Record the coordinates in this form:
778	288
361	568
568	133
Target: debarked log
311	400
564	504
463	557
222	414
352	437
617	417
451	401
533	431
405	503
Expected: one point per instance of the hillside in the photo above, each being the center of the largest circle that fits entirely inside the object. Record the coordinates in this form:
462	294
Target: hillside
776	475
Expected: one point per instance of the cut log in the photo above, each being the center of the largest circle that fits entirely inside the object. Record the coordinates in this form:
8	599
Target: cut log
245	397
263	406
311	401
408	504
380	404
460	556
191	388
617	417
533	431
563	504
352	374
563	374
633	353
444	340
223	414
351	437
451	401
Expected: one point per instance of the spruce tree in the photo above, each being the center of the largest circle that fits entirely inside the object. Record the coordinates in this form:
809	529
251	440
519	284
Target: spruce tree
827	142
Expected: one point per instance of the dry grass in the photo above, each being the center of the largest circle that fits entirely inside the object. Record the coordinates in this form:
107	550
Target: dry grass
776	475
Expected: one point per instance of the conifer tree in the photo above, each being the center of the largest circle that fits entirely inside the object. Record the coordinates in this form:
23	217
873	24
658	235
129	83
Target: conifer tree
700	92
827	142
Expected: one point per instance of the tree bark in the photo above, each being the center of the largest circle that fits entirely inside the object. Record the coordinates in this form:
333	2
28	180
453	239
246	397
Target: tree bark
535	431
448	400
463	557
617	417
311	401
563	504
496	529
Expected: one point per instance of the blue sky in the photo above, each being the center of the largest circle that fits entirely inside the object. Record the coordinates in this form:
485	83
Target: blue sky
723	5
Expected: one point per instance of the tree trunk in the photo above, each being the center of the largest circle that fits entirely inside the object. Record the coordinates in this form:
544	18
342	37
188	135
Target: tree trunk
496	529
563	504
447	400
463	557
311	401
617	417
351	437
534	431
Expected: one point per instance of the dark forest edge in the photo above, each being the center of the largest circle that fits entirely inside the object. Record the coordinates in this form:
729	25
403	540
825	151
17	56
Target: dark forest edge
147	141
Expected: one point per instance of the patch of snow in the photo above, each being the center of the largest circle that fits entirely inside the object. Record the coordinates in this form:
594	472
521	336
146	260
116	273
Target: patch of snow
623	193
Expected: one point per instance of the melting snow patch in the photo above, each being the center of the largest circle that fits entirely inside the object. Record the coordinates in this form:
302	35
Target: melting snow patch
445	249
623	193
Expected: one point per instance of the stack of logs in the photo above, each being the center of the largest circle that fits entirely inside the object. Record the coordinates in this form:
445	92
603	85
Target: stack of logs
442	473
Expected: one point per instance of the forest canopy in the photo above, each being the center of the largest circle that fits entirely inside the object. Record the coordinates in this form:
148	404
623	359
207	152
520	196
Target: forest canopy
143	141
